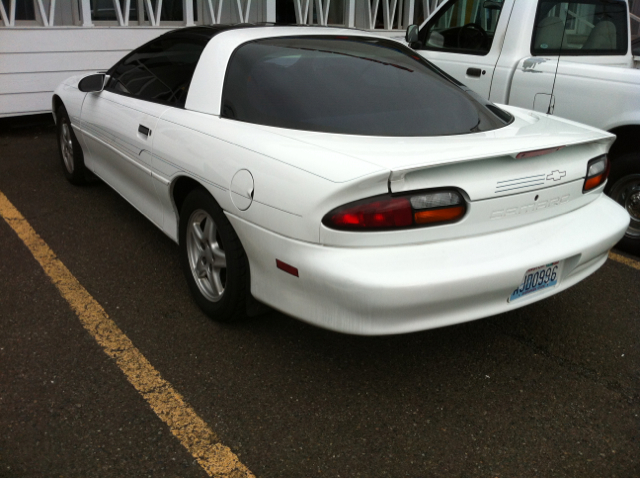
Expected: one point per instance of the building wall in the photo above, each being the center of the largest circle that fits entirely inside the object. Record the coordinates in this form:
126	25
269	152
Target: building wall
42	42
33	61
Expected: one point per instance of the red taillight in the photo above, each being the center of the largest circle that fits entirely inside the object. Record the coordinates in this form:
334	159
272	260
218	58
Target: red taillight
383	213
597	173
389	212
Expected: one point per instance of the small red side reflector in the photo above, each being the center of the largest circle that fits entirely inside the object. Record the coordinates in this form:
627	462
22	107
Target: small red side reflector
287	268
534	153
436	216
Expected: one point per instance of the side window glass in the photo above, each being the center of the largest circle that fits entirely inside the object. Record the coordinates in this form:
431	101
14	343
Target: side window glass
587	27
159	71
464	26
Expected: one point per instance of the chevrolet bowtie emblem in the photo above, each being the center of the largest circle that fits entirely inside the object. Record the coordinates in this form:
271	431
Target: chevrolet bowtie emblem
556	175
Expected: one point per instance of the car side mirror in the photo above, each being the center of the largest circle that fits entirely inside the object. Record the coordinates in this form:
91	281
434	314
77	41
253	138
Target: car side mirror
412	35
93	83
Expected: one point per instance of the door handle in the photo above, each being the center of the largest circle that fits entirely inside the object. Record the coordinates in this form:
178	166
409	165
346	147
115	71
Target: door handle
144	130
474	72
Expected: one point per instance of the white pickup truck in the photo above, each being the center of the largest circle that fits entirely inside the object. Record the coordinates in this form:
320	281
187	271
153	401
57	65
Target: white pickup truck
572	59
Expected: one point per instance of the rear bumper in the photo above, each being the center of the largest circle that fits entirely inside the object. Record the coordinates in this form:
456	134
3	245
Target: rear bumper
399	289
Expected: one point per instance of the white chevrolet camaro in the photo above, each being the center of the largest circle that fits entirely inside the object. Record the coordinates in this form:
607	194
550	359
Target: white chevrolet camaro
339	177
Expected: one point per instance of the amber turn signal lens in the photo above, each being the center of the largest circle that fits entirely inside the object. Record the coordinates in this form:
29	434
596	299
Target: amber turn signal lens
594	182
439	215
597	173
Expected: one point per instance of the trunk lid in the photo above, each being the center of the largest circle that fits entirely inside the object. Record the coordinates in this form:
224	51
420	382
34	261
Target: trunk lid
484	165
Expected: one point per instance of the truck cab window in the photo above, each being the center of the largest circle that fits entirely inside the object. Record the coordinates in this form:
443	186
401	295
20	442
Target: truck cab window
464	26
587	27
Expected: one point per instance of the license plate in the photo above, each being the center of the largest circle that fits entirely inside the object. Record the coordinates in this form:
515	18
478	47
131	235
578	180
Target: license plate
537	279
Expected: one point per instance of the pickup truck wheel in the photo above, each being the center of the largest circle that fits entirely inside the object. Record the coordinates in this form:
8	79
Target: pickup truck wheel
213	260
624	188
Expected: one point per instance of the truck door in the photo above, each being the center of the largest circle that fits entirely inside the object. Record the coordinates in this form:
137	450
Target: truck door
535	74
464	38
595	42
567	42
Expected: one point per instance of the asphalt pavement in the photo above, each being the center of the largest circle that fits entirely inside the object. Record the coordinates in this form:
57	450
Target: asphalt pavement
552	389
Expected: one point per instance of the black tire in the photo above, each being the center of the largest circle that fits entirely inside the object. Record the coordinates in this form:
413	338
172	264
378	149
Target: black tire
70	150
200	259
624	187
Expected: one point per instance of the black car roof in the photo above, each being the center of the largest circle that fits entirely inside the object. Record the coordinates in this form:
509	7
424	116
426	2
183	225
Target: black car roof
209	31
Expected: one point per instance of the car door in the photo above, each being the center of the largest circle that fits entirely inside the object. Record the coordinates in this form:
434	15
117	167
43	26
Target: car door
120	121
118	131
464	38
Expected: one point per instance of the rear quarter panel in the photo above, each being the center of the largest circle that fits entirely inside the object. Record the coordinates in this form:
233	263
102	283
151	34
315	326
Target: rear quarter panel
289	196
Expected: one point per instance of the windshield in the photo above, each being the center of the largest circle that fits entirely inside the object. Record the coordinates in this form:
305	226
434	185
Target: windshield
350	85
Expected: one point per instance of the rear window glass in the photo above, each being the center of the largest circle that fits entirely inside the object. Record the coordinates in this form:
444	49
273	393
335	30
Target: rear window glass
353	85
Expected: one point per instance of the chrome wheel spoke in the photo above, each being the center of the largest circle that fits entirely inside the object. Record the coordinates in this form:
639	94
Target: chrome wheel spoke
201	268
198	233
216	283
219	258
201	249
210	231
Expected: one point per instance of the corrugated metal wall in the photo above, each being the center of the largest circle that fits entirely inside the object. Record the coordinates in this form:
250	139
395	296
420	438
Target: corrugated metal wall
33	61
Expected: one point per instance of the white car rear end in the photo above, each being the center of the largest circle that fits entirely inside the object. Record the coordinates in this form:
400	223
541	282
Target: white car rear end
371	193
523	216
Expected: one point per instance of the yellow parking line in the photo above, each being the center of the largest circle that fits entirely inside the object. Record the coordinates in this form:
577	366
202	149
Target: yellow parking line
194	434
624	260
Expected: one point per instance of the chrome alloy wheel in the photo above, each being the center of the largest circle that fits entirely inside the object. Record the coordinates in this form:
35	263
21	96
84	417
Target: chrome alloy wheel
66	146
626	192
206	255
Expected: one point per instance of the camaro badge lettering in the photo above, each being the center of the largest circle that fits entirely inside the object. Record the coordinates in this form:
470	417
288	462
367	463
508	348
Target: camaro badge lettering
556	175
530	208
